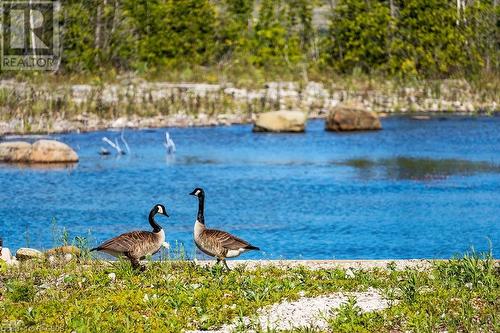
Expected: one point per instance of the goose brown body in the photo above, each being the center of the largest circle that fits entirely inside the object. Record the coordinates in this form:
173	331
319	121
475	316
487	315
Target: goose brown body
220	244
216	243
136	245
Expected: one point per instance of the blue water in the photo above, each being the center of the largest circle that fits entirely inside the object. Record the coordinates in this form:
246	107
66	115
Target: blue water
417	189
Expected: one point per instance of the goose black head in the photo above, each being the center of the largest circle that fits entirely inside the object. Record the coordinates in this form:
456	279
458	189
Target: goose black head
198	192
160	209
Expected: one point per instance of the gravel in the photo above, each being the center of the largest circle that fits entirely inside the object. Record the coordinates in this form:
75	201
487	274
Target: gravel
307	311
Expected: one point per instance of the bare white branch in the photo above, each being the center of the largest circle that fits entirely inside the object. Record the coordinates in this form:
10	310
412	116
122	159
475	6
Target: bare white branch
169	144
115	145
122	136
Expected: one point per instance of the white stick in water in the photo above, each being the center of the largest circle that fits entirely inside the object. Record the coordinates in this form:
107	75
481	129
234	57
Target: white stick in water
169	144
122	136
121	151
115	145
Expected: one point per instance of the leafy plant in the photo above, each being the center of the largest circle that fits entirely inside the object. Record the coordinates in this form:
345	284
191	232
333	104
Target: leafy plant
349	318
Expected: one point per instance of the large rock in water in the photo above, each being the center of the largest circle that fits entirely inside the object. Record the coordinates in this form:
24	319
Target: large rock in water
352	117
50	151
42	151
280	121
15	151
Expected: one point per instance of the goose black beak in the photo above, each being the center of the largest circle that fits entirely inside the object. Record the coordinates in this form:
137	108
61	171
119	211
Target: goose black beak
165	213
192	193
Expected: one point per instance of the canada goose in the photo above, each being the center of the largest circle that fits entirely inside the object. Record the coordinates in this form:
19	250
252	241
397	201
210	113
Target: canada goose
216	243
136	245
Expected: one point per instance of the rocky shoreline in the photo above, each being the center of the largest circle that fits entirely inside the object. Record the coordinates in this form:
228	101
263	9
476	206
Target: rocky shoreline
90	123
44	109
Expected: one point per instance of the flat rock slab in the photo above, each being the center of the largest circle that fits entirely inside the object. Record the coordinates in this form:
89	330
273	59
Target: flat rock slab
329	264
308	311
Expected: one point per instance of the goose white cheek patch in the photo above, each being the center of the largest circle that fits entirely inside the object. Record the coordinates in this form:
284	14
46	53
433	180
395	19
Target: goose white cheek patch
160	210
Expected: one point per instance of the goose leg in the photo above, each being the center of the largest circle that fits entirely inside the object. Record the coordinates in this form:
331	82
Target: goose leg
135	263
225	264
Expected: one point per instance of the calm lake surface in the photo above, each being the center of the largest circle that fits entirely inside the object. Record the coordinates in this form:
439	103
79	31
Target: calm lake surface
417	189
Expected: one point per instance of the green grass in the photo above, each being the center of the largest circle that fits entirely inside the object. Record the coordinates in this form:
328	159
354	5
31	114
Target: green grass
458	295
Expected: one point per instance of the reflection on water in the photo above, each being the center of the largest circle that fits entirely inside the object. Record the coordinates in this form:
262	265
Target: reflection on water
170	159
193	160
40	166
418	168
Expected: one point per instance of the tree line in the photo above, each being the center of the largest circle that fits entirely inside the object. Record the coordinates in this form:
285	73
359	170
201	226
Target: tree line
423	38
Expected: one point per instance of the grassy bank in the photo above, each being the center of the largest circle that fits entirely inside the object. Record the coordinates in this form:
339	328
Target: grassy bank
84	296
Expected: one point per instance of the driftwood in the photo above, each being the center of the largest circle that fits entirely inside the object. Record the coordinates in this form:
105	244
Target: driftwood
122	137
169	144
115	145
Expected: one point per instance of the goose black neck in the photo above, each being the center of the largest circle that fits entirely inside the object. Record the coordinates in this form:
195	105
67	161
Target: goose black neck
201	208
156	226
